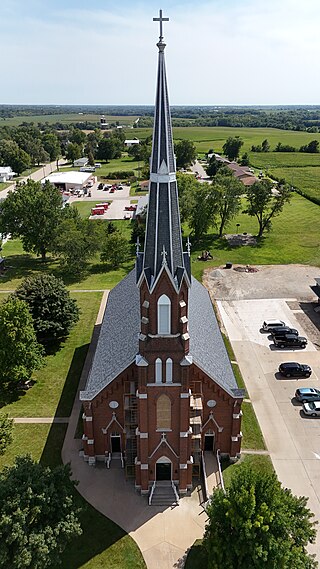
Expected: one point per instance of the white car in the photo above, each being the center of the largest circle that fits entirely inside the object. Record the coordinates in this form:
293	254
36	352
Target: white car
268	325
312	408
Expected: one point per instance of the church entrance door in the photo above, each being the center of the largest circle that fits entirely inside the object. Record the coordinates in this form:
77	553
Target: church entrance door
115	443
209	441
163	471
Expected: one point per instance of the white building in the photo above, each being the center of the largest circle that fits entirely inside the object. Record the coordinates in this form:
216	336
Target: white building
66	181
6	173
81	162
131	142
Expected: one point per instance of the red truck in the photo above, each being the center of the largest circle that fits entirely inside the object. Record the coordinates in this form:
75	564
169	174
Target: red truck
97	210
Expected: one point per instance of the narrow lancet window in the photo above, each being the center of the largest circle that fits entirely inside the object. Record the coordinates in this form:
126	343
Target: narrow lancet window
169	370
158	366
164	315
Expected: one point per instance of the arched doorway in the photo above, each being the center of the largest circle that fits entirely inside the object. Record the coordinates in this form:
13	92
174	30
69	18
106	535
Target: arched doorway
163	469
209	440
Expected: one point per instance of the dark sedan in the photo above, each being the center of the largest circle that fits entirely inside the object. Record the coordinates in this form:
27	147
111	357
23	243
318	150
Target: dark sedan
284	330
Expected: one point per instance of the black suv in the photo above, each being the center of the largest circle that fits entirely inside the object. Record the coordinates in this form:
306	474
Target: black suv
281	331
290	341
293	369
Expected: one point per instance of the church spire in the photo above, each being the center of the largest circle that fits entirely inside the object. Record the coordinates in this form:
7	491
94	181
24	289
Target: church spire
163	232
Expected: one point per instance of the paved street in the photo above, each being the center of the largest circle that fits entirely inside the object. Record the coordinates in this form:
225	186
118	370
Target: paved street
42	172
198	167
292	439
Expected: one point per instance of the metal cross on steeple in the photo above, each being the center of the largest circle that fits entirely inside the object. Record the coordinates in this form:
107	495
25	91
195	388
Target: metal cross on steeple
160	19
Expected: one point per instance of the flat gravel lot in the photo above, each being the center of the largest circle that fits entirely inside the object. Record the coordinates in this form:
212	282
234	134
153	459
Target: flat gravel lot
276	292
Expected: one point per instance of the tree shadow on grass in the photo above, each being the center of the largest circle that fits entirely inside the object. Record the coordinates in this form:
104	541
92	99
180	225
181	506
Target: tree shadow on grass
72	381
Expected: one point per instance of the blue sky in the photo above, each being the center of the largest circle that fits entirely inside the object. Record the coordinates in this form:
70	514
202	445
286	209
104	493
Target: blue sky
219	52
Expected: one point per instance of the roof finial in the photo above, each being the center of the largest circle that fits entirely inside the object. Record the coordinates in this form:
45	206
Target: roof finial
161	19
164	256
188	246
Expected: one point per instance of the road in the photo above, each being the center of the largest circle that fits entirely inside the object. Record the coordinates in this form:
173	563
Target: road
42	172
198	167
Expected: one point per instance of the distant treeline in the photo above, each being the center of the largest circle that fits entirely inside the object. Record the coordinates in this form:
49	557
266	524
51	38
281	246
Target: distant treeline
300	118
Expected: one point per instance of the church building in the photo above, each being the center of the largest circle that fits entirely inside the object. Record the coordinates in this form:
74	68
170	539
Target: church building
161	389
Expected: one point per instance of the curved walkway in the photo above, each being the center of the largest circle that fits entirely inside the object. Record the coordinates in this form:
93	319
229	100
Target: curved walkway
163	534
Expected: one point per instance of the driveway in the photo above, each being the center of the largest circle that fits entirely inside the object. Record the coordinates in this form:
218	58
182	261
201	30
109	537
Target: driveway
292	439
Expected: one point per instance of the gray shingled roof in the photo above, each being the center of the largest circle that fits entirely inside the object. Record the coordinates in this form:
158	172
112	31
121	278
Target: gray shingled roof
206	344
118	341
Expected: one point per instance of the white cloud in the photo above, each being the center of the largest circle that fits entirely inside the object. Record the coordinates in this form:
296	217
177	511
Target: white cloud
245	52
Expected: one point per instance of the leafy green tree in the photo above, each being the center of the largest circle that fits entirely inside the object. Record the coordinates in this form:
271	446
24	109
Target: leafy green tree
185	152
264	202
12	155
106	149
312	147
20	353
213	166
284	148
245	159
228	196
265	146
232	146
258	524
6	433
38	515
76	241
73	152
115	250
32	213
91	158
198	204
51	145
53	311
77	136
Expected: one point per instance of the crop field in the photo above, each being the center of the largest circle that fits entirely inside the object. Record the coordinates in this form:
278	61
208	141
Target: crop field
66	118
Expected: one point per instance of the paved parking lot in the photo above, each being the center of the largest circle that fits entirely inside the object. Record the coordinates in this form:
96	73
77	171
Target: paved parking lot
119	200
292	439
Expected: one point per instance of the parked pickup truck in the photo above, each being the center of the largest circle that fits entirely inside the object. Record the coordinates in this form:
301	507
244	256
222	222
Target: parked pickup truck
290	341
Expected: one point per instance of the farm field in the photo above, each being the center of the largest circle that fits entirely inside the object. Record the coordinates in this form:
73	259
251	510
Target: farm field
67	119
301	174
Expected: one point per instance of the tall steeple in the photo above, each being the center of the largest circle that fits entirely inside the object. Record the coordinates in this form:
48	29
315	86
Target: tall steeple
163	244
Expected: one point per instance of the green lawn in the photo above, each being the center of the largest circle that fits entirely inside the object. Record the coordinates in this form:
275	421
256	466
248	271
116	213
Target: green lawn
4	185
98	276
294	238
252	435
125	163
84	207
57	382
103	544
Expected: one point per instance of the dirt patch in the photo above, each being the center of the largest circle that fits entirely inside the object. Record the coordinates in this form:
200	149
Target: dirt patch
238	240
292	282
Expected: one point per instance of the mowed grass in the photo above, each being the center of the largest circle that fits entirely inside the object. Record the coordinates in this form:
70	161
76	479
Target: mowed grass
57	382
123	164
294	238
102	543
252	435
97	277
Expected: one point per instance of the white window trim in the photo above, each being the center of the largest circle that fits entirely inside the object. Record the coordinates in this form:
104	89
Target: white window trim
164	315
158	370
169	370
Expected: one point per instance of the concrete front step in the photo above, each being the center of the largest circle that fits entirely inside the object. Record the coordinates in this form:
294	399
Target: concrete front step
163	495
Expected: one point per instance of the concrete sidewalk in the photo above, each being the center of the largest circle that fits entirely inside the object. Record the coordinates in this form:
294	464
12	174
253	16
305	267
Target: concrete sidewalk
164	534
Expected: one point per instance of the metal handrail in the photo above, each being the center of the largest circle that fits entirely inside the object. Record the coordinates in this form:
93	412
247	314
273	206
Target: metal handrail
151	492
206	491
174	488
220	471
109	459
122	461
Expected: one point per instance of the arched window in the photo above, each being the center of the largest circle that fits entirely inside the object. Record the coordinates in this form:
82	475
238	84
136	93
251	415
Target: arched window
164	412
164	315
158	366
169	365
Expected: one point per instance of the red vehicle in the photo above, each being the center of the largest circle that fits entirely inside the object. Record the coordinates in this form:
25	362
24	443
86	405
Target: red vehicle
112	191
97	211
105	205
